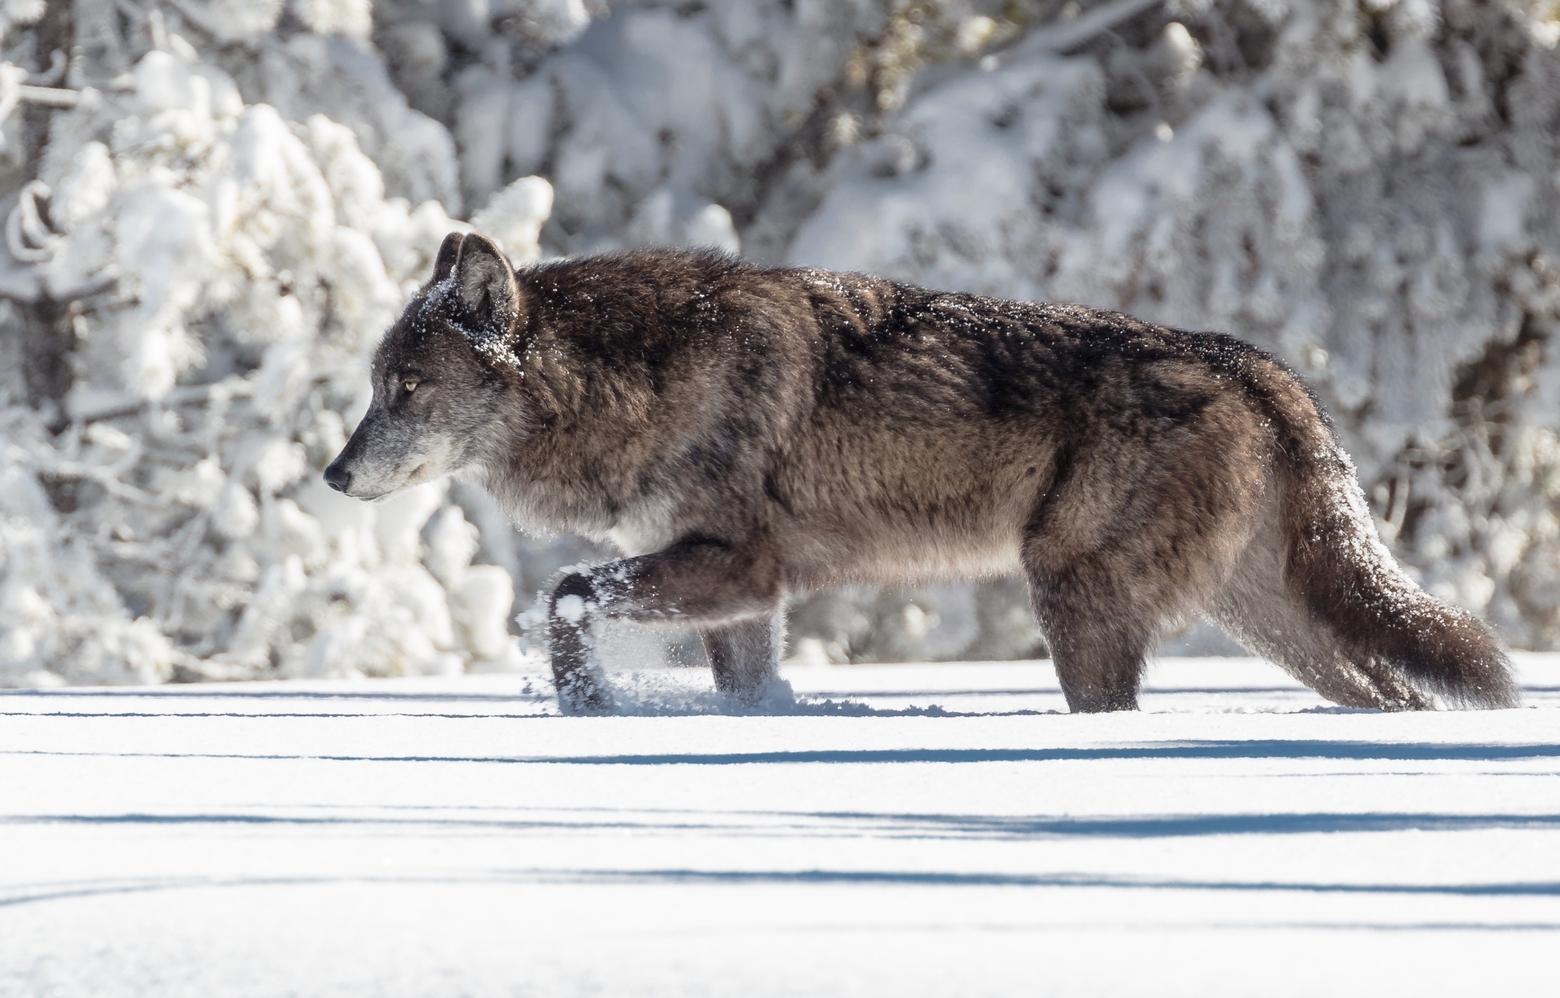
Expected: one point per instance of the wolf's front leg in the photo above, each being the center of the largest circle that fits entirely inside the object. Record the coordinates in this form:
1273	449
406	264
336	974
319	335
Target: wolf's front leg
576	676
702	583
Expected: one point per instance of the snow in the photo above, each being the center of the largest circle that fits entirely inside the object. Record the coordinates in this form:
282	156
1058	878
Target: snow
915	830
571	608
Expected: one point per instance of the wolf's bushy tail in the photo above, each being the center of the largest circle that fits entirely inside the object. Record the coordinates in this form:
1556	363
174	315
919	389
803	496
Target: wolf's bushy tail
1337	566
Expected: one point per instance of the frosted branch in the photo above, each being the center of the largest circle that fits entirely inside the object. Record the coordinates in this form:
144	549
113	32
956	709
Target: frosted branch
55	97
27	236
186	395
1065	38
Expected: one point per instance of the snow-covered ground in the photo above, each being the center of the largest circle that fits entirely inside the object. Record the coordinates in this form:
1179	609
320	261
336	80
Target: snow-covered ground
921	830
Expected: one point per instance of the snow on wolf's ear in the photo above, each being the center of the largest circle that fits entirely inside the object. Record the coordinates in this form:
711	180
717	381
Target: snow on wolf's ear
484	280
485	288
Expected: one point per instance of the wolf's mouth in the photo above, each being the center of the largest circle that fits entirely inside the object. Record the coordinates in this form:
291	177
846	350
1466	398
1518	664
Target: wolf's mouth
415	478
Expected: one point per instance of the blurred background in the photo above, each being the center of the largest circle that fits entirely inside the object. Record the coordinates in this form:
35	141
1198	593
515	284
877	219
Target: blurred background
213	208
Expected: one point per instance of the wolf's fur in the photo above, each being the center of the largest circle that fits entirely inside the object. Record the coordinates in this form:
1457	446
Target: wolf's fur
744	433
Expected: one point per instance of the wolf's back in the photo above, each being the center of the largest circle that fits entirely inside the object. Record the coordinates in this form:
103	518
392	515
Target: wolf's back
1337	566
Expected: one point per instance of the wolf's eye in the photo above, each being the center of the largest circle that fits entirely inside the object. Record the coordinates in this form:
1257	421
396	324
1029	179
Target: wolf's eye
409	385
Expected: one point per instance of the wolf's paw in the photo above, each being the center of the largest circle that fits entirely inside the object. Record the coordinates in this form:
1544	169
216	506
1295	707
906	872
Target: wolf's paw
774	694
585	700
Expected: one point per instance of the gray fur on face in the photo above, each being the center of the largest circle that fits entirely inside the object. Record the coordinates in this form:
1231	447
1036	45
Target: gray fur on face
436	376
391	451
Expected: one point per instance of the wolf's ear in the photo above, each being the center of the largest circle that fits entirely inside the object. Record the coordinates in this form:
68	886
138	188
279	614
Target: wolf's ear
449	252
485	283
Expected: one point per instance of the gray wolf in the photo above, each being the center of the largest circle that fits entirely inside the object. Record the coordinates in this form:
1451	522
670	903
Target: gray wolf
743	433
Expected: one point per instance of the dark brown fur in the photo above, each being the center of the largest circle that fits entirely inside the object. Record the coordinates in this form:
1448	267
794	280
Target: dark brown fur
744	433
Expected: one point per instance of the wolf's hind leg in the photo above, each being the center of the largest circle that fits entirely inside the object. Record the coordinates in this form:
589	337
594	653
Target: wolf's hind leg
745	656
702	583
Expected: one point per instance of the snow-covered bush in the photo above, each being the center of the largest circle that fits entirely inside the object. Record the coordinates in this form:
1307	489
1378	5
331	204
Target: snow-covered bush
213	208
163	516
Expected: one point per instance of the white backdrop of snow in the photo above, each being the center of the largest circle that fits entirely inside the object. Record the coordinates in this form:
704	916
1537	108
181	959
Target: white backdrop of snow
1369	191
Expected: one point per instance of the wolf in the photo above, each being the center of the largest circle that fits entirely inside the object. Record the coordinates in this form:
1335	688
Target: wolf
742	434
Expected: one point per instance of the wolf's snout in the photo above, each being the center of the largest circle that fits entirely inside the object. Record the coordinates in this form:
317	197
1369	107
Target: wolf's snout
338	477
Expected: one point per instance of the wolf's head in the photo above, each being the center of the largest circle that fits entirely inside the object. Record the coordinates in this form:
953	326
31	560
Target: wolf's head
440	376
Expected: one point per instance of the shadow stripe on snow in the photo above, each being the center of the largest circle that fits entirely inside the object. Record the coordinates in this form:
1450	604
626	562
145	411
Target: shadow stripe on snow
1255	749
824	823
69	891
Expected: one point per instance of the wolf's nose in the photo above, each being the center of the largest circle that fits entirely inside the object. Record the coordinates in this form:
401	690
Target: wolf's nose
336	478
